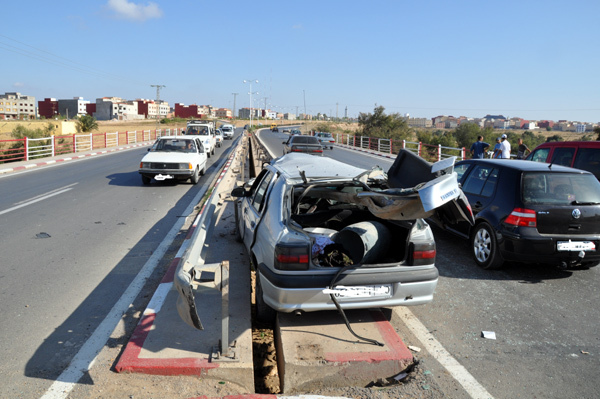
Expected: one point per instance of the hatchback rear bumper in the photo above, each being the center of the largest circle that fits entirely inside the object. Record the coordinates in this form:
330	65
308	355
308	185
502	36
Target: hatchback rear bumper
543	249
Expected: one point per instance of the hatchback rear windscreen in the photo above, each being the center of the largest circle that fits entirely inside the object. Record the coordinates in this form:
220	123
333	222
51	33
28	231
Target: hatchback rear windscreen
560	188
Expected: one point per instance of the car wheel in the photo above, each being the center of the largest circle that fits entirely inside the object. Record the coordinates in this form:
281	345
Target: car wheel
485	247
146	179
264	313
196	176
213	151
203	171
208	154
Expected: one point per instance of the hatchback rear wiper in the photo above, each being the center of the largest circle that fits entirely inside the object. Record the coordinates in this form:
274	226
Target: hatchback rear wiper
584	203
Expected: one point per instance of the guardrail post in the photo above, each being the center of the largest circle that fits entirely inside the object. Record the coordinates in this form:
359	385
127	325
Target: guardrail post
462	153
26	144
439	152
74	144
53	145
419	149
91	142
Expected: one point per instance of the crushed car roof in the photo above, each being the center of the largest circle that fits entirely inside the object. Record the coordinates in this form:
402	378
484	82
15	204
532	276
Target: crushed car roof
291	164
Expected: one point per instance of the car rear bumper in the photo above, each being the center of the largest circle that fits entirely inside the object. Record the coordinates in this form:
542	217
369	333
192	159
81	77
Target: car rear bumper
287	293
543	249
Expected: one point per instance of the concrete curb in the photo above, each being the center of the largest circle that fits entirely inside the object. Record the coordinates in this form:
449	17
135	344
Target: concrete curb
130	360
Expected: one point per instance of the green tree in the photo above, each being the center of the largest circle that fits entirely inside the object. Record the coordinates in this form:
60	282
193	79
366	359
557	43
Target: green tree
86	123
466	134
381	125
556	137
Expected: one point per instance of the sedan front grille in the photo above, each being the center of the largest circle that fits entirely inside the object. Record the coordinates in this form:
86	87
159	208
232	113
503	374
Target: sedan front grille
168	165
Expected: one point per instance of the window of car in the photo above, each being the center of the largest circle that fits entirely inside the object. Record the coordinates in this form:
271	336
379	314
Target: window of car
559	188
588	159
540	155
461	169
481	181
260	194
304	140
563	156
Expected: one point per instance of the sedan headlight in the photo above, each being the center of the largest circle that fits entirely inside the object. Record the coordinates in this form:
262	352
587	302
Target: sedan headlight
186	166
144	165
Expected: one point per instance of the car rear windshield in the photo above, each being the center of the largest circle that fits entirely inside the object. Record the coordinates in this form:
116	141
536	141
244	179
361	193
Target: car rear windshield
305	140
560	188
197	130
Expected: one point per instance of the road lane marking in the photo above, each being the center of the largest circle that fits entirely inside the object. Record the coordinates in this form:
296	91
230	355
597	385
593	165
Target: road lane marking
83	361
437	351
39	198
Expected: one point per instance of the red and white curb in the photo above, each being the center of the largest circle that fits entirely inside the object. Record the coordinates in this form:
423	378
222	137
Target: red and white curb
72	158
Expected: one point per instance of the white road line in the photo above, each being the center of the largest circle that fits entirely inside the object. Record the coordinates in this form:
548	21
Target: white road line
39	198
85	358
435	348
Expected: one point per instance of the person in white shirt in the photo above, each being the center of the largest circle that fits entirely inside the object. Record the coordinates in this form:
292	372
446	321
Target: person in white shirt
505	147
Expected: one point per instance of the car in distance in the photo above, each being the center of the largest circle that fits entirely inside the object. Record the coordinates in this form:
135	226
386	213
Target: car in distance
219	137
326	139
530	212
174	157
227	131
576	154
322	233
206	131
306	144
294	132
286	130
274	127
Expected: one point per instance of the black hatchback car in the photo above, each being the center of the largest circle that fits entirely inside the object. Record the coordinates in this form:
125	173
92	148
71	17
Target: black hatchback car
530	212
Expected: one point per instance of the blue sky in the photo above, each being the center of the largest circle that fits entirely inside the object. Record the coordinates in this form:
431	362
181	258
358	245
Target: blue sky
532	59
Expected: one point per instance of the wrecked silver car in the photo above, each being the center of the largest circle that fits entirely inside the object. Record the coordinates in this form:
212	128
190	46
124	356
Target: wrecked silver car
322	234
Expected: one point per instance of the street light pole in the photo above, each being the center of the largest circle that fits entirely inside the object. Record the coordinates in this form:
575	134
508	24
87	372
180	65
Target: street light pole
250	82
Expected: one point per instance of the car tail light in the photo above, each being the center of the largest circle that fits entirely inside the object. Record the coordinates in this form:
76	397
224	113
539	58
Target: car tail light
422	253
522	217
291	257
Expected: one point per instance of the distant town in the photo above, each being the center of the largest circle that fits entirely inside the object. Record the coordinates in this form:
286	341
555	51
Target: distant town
16	106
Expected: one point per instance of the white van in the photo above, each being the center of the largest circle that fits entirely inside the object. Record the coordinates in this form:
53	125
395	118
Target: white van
228	131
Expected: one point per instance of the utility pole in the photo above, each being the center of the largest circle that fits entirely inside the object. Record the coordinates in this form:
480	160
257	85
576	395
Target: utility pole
336	110
158	87
234	95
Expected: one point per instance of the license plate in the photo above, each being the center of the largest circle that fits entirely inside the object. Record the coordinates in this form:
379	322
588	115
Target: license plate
575	246
369	291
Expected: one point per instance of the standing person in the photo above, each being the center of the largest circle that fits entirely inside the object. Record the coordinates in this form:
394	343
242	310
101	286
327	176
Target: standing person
505	147
521	149
497	149
479	148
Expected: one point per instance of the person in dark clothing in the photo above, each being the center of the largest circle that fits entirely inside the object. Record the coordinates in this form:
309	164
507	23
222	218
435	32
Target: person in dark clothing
479	148
521	149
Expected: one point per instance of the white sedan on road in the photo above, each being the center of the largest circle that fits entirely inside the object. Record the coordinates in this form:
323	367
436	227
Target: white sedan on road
174	157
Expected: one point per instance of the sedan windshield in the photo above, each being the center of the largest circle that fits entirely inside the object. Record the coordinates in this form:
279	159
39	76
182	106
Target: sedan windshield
560	188
175	145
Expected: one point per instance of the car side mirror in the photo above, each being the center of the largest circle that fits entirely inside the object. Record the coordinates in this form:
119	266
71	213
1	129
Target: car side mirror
239	192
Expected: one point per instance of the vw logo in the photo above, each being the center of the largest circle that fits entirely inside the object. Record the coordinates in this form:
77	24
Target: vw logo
576	213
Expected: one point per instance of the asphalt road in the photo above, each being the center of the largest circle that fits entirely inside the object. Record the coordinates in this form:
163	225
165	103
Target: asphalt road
546	320
74	236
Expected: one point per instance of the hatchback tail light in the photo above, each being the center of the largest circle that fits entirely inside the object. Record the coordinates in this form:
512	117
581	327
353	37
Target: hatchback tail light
422	253
522	217
291	257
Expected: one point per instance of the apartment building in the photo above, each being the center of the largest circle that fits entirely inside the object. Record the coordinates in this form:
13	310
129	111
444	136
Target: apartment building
17	106
108	108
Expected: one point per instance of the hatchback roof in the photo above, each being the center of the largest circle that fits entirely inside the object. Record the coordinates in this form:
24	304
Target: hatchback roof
583	144
527	166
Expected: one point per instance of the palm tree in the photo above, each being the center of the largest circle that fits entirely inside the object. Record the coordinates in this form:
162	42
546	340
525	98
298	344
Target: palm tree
86	123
